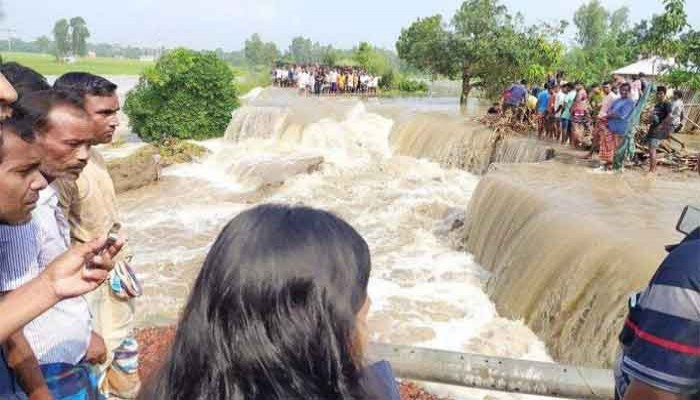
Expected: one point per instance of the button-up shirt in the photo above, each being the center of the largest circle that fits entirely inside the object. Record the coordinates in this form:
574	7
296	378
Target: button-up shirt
61	334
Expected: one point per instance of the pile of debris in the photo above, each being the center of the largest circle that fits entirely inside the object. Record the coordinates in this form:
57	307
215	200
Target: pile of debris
672	153
509	123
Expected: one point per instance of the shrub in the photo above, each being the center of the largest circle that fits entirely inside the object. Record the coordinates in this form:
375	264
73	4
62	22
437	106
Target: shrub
186	95
411	86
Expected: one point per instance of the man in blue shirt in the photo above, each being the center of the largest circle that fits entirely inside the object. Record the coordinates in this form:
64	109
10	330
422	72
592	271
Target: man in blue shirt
660	348
620	113
542	102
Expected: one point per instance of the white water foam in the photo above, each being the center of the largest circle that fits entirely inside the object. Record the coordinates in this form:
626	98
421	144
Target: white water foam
424	292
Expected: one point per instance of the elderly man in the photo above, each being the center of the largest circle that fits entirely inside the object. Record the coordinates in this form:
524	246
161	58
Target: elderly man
90	203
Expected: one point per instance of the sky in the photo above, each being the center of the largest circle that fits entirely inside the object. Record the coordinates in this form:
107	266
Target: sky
210	24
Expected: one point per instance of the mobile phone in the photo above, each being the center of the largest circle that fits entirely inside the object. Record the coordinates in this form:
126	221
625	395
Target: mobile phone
689	220
112	236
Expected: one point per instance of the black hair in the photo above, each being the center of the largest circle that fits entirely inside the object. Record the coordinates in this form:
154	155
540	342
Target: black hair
607	83
627	85
272	314
24	79
85	84
18	127
523	82
661	89
33	108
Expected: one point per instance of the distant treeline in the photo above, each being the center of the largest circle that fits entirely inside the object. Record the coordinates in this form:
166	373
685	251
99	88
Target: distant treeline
45	45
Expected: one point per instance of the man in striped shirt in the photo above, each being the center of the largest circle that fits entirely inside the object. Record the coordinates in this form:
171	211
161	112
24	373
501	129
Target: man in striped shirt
660	340
61	338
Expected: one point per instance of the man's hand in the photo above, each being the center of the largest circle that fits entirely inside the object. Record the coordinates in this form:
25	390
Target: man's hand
68	276
41	394
639	390
97	350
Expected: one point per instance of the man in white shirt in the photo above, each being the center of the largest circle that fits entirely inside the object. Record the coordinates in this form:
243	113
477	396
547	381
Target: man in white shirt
62	338
677	111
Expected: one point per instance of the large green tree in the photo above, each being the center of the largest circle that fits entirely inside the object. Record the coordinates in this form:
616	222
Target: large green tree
484	45
258	52
662	38
79	35
301	51
61	37
591	20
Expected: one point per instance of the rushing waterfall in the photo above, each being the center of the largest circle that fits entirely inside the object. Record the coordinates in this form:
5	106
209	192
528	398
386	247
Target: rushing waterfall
335	154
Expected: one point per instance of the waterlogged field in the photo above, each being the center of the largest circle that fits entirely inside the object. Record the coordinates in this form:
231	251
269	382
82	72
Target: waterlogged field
46	64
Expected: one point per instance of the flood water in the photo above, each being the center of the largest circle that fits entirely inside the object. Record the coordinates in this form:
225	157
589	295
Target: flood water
424	291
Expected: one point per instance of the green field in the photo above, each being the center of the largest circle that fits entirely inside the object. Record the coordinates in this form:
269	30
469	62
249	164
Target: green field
46	64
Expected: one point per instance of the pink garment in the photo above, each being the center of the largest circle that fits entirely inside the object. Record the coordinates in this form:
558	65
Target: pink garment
606	103
580	103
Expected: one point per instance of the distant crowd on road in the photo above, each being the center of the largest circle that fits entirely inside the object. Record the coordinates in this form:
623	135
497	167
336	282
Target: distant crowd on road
325	80
569	112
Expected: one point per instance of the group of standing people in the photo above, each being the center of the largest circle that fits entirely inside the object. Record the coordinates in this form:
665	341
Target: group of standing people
568	112
278	311
57	206
324	80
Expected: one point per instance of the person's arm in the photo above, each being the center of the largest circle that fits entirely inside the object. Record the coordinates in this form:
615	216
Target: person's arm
23	362
64	278
639	390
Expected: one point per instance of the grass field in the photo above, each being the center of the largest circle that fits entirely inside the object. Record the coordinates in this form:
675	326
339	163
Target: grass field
46	64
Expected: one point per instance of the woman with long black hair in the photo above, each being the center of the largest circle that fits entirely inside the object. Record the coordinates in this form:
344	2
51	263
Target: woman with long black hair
278	312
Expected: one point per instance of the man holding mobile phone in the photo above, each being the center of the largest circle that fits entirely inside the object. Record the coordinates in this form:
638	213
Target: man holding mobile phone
90	204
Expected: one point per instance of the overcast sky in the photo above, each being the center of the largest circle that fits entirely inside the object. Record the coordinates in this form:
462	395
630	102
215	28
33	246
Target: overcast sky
208	24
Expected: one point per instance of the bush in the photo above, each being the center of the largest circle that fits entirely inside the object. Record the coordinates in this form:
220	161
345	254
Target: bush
186	95
411	86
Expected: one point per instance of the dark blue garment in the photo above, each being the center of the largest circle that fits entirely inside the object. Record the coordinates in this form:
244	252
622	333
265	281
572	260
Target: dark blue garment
9	389
379	379
660	342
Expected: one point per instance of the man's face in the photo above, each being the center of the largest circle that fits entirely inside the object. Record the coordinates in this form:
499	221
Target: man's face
624	92
103	113
606	89
660	96
65	144
20	180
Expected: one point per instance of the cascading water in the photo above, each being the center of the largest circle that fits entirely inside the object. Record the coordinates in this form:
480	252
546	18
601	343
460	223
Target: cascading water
332	154
455	142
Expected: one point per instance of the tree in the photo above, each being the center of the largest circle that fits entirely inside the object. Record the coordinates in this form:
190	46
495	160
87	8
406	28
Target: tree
79	35
426	45
258	52
482	45
61	38
662	36
369	58
43	43
301	51
591	20
186	95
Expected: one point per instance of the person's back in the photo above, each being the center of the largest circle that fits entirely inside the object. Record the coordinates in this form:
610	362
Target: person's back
278	312
542	101
659	340
678	112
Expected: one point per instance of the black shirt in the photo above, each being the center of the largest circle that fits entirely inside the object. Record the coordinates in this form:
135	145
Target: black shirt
658	130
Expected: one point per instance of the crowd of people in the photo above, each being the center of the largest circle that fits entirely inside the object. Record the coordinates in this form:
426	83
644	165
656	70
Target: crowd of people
279	308
568	112
323	80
